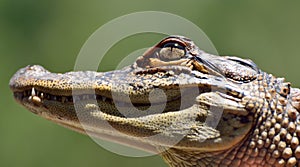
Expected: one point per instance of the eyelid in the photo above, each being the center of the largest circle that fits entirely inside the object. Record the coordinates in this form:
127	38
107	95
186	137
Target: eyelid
172	40
244	62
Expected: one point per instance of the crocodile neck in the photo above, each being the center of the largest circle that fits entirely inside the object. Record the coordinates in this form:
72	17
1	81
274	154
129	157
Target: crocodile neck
194	108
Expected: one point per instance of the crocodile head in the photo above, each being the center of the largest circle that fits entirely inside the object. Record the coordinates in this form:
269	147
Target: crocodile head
175	96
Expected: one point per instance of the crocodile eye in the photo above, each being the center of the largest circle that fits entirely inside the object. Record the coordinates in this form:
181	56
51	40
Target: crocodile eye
172	51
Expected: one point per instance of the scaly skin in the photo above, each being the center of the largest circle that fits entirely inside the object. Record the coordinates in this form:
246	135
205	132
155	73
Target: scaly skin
196	108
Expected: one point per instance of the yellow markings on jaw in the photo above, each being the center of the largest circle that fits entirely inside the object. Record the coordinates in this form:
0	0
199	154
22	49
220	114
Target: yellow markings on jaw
200	67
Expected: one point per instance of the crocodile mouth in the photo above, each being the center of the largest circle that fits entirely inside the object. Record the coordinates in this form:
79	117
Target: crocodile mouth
52	106
34	98
124	93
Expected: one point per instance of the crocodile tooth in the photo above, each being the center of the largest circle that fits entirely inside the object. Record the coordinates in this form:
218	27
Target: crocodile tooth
63	99
32	92
156	53
103	98
42	95
36	99
19	95
76	98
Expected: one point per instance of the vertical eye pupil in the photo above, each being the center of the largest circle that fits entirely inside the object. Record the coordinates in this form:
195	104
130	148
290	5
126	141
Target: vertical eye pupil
172	51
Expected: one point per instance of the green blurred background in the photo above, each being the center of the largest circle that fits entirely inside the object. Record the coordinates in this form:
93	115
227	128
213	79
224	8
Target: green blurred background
51	33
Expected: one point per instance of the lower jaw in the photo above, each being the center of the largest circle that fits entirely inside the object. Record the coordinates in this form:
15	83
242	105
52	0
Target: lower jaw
73	123
108	106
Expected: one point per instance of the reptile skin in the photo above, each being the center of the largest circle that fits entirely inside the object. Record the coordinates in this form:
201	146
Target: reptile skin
194	108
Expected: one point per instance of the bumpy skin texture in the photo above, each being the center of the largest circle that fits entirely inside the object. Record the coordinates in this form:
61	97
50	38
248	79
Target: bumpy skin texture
197	109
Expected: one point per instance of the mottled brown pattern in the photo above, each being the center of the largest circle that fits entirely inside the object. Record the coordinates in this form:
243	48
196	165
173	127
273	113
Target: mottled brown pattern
198	109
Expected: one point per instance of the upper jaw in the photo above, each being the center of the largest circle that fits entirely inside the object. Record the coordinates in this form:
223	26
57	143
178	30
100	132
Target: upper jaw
127	88
129	81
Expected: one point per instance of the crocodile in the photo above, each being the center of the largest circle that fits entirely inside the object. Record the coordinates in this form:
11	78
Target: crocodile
191	107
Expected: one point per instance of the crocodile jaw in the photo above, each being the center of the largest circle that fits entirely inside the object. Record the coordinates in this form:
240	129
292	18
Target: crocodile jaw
96	114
